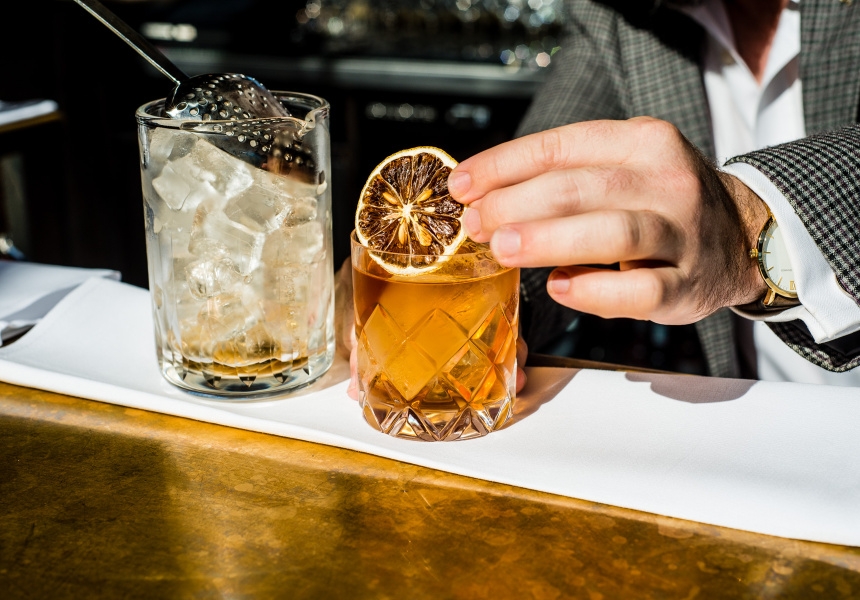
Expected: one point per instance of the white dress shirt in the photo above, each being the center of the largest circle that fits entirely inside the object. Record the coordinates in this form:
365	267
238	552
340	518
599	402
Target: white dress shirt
747	115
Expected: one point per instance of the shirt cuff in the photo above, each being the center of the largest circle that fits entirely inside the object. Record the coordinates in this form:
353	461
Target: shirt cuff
828	311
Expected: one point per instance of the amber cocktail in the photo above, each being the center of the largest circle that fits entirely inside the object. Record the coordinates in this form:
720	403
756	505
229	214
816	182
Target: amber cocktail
437	350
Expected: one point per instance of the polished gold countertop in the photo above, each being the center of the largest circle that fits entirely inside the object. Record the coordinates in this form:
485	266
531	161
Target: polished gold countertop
97	500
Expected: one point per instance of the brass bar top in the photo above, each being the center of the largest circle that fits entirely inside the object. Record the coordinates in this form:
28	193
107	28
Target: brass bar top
97	500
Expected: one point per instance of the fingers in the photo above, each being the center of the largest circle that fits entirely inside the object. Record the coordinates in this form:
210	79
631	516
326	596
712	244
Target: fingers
599	237
655	294
549	195
522	351
344	311
522	354
345	324
521	380
578	144
352	389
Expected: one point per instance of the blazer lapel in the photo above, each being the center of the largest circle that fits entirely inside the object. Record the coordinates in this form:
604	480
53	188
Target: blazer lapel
829	63
664	74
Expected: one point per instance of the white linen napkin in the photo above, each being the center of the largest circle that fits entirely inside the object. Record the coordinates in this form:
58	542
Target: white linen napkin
773	458
29	290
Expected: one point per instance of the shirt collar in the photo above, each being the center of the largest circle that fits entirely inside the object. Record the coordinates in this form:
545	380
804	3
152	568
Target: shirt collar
713	17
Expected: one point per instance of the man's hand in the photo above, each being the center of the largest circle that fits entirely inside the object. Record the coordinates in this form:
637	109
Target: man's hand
634	192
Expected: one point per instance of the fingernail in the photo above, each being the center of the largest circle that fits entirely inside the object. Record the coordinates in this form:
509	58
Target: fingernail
506	242
558	284
472	221
459	183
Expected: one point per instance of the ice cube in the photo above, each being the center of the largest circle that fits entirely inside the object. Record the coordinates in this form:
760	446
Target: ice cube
228	175
212	232
203	173
186	305
181	181
257	208
302	244
198	345
224	316
272	201
300	210
320	293
230	331
289	284
182	317
209	277
264	209
288	324
248	347
169	144
290	186
164	217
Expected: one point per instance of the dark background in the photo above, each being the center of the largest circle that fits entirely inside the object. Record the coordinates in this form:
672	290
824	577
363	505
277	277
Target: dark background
397	75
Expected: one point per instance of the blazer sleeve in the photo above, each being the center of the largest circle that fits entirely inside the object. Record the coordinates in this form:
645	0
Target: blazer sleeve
583	84
820	177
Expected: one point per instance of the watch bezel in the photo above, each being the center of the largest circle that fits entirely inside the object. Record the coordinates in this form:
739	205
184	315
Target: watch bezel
762	236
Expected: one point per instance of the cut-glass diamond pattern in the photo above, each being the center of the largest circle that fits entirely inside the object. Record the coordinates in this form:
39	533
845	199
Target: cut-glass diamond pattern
409	369
495	335
469	425
499	407
439	335
381	330
467	371
435	382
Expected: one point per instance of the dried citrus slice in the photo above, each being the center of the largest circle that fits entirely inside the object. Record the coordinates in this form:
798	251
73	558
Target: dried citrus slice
406	214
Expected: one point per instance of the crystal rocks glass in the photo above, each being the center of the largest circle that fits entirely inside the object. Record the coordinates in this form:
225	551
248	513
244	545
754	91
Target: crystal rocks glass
239	248
437	352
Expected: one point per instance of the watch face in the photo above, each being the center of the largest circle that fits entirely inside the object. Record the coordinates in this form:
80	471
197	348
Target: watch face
774	261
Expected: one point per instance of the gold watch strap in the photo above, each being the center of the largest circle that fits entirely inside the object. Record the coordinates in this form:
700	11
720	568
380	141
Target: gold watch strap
774	301
778	303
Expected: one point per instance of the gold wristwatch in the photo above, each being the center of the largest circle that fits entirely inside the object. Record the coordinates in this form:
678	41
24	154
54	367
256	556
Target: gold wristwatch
775	267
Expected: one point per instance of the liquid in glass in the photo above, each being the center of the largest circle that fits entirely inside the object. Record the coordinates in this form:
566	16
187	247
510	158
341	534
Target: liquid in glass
437	351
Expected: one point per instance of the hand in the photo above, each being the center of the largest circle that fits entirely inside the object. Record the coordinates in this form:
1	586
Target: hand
634	192
344	310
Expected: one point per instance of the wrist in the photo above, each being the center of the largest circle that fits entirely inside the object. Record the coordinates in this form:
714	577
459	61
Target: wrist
752	214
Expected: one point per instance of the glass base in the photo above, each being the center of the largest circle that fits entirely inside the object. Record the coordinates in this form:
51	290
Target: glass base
248	383
435	421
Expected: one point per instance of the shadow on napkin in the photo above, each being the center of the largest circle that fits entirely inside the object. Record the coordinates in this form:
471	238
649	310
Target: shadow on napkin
694	389
543	385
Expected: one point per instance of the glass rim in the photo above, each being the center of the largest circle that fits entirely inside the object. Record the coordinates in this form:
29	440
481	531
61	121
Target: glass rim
355	243
144	116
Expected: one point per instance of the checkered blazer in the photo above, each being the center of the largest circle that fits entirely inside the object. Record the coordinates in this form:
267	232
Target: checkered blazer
628	58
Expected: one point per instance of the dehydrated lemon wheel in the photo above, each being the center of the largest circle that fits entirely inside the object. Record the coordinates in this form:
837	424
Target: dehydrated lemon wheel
406	214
